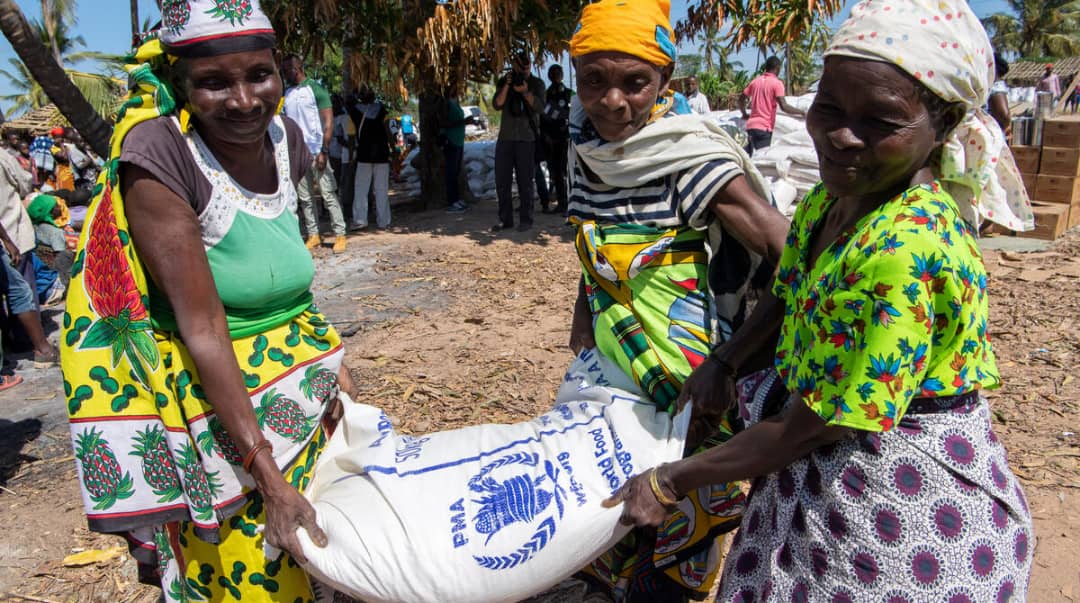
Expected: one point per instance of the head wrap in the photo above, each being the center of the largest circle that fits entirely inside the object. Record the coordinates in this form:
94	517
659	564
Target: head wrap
640	28
942	44
40	209
201	28
56	132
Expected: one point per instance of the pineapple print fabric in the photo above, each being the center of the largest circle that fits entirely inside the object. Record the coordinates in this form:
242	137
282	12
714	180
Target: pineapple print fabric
893	310
150	450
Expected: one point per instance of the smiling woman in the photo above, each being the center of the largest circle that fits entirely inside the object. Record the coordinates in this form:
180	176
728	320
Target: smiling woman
673	224
200	376
876	472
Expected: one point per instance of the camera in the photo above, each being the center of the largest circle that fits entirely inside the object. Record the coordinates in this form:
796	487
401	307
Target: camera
517	79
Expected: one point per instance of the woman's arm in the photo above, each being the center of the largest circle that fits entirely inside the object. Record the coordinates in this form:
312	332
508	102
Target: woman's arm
752	220
999	110
764	448
581	328
166	232
711	387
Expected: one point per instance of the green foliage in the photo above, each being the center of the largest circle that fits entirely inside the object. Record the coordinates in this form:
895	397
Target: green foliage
689	64
1046	28
103	91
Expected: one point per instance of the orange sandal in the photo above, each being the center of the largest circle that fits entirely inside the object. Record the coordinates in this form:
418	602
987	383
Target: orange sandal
9	381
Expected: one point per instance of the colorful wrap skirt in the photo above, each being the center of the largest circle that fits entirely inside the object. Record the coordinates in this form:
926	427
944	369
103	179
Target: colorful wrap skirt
926	511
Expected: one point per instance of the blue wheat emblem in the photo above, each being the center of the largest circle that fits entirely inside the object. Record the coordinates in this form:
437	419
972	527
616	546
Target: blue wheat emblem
520	498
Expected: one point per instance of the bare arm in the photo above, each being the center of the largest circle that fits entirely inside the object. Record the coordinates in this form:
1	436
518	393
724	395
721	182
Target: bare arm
581	329
999	110
499	100
752	220
742	106
764	448
326	116
789	109
166	232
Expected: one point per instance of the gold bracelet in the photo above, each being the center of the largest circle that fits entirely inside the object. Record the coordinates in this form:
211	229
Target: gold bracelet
660	496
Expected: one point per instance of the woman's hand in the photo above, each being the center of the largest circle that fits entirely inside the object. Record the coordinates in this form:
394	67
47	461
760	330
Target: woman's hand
581	327
286	510
640	505
581	332
711	389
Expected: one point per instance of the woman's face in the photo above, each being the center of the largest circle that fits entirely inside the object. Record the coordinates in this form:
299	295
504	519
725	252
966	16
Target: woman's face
871	129
618	91
233	96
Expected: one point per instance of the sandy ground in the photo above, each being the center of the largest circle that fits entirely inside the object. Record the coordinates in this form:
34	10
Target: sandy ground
449	325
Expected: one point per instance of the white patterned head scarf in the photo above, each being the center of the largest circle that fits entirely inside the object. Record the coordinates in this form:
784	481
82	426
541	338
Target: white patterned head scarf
199	28
942	44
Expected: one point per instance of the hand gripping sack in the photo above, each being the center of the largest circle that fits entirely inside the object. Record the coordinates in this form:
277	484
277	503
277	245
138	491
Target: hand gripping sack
487	513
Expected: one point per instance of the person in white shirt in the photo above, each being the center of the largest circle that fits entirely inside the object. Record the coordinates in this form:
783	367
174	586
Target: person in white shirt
16	244
308	104
699	103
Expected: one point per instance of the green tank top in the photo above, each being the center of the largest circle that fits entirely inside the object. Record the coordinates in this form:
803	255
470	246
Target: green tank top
261	269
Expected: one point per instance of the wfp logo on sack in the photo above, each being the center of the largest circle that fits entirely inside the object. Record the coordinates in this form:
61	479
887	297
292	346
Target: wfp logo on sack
509	494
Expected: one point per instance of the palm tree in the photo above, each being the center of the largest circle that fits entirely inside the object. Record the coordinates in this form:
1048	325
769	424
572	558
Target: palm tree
101	91
1037	28
55	14
134	19
46	70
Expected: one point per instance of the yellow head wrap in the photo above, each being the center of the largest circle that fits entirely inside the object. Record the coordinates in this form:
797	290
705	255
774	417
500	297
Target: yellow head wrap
641	28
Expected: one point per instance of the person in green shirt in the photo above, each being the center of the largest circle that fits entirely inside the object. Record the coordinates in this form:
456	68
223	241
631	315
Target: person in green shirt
452	138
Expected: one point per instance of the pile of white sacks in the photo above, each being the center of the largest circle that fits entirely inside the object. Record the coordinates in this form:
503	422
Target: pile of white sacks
479	160
790	163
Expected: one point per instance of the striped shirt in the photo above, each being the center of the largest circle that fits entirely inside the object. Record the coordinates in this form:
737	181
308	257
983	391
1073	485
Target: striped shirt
680	199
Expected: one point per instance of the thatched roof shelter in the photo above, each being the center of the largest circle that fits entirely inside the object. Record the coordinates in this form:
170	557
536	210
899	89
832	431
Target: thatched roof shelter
36	122
1027	73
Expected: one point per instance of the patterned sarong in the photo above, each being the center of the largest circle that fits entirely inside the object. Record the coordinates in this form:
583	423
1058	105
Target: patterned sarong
153	459
652	316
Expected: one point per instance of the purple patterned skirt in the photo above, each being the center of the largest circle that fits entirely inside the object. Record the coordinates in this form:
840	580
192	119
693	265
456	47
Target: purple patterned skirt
928	511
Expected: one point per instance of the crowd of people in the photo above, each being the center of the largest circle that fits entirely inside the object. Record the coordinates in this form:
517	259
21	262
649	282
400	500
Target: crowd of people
45	186
203	383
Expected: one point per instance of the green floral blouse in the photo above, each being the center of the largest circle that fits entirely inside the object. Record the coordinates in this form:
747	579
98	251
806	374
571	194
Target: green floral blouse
894	309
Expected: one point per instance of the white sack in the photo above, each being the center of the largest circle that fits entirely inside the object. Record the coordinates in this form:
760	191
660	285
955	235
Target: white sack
488	513
785	195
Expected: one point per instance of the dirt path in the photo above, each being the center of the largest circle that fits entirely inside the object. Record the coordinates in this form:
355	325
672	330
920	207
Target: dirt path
453	326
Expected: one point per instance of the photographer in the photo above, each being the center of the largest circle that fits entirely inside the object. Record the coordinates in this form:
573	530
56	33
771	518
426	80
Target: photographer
520	98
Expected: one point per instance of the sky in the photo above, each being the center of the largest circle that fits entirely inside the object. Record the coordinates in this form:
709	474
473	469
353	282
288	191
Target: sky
106	27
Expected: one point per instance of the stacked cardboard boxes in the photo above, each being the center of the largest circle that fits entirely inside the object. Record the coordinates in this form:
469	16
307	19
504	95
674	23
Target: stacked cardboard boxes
1052	177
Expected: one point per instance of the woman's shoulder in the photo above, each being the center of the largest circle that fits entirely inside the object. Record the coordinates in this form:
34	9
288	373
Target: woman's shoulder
921	225
157	133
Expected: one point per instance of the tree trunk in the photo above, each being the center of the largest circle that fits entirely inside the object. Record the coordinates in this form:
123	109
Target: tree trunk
787	68
47	72
134	20
432	183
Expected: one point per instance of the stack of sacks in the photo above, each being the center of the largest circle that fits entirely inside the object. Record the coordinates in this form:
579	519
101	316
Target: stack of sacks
479	166
1021	95
732	123
790	162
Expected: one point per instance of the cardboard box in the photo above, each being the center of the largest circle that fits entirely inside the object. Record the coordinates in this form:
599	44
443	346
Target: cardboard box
1061	133
1074	214
1057	189
1051	220
1027	158
1030	182
1056	161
